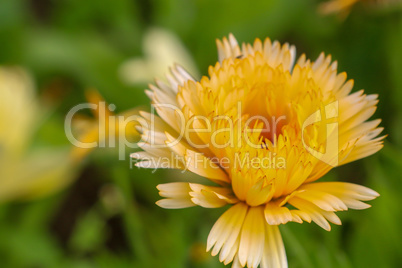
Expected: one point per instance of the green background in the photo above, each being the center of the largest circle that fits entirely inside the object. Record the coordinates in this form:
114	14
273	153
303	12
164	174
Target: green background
70	46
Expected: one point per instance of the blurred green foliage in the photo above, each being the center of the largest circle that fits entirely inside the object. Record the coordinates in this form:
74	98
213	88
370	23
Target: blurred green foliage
108	218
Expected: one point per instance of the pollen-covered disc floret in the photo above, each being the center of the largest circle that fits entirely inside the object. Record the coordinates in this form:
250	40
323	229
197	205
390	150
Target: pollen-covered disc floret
263	129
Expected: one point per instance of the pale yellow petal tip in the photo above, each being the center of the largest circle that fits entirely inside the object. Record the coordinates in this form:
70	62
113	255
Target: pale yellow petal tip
163	203
143	113
160	187
134	155
367	206
142	164
369	192
326	228
375	194
209	245
139	129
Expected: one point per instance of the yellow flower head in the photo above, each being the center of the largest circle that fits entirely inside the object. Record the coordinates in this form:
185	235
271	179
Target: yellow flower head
263	130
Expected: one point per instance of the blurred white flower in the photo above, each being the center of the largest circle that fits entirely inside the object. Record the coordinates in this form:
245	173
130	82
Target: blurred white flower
162	49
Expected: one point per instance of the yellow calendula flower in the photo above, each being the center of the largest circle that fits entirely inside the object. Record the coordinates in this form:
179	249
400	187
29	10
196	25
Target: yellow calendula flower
263	130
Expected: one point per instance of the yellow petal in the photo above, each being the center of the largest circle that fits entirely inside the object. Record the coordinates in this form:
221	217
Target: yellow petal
227	229
211	197
275	215
322	200
177	194
203	166
252	238
350	194
274	251
316	214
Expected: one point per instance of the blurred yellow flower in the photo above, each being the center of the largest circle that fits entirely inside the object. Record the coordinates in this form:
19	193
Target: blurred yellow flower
26	173
106	130
344	6
220	128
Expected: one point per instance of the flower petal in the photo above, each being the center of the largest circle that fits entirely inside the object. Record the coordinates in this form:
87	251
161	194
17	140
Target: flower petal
259	194
274	250
252	238
319	216
203	166
351	194
177	194
211	197
322	200
275	214
228	48
227	229
184	194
